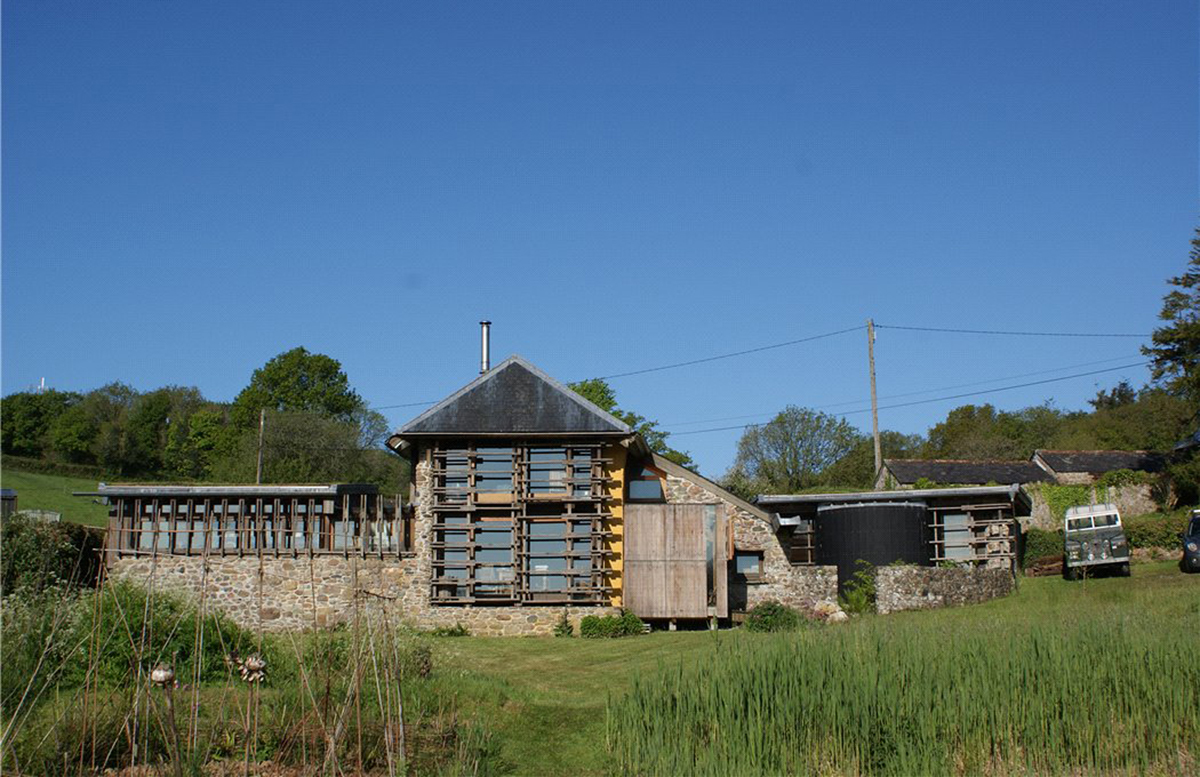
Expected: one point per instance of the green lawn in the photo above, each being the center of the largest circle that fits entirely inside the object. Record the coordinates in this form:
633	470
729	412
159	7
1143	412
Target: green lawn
545	698
53	492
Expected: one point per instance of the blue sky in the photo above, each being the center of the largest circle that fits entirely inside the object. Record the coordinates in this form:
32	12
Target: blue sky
191	188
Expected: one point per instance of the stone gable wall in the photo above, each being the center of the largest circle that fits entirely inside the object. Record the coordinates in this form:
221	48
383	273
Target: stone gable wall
924	588
808	588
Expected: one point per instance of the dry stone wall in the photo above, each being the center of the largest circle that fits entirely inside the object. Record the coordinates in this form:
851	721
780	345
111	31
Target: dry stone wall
924	588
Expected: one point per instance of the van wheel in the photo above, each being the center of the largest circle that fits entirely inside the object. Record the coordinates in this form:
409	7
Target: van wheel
1123	570
1070	573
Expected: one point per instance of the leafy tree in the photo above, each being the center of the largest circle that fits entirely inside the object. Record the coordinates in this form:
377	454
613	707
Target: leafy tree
857	468
297	381
26	417
599	393
982	432
1175	354
790	452
1118	396
72	435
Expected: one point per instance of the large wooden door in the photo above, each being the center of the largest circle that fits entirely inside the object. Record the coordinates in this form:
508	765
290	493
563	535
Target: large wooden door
675	561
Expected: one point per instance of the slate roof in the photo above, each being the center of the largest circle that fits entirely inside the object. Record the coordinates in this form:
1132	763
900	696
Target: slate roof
1099	462
965	471
512	398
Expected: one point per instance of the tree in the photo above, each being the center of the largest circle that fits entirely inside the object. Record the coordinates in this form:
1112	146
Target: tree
26	418
297	381
1175	354
1118	396
857	468
790	452
599	393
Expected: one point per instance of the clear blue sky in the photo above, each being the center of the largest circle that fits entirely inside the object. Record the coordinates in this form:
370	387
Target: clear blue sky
191	188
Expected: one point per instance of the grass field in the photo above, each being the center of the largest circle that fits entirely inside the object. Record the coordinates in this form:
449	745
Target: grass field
545	699
53	492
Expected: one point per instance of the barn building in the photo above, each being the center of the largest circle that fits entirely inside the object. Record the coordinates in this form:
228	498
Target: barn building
527	502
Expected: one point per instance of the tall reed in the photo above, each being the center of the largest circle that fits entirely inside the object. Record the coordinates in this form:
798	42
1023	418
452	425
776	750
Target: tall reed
889	697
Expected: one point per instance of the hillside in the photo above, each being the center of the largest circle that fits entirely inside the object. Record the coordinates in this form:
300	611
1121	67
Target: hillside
53	492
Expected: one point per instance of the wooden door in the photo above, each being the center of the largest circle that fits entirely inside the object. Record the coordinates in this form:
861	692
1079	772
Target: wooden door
675	561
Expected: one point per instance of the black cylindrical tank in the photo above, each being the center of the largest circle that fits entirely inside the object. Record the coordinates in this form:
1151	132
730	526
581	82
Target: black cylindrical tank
876	532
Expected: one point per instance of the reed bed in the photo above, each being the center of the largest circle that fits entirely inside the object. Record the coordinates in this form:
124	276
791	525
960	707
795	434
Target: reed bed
905	697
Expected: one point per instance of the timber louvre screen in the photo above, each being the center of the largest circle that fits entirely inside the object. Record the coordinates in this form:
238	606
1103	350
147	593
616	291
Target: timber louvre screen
520	523
243	524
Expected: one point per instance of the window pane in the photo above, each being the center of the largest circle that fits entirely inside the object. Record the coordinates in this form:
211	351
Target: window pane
645	489
493	555
545	528
547	583
747	563
956	536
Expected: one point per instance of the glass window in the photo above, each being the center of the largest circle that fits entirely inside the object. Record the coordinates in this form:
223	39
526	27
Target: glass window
956	536
748	563
547	471
1106	519
645	484
494	470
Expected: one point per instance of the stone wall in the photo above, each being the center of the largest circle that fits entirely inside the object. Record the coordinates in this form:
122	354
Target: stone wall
808	588
1133	499
925	588
282	594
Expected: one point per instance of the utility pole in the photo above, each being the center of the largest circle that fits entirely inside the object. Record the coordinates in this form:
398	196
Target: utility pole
262	424
874	401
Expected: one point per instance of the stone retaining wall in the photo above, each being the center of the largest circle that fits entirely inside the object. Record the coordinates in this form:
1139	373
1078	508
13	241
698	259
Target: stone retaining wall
924	588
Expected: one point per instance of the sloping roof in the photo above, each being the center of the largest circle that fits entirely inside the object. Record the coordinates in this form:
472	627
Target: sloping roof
678	470
965	471
512	398
1099	462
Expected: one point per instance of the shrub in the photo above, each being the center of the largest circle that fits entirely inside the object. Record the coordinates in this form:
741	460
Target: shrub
1155	531
457	630
1040	543
624	625
38	554
772	616
564	628
858	595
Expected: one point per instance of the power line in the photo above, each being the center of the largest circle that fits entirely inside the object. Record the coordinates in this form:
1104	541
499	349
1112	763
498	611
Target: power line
730	355
915	393
404	404
939	399
1004	332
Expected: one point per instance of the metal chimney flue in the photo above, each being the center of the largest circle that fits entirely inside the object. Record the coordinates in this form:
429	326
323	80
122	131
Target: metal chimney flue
485	362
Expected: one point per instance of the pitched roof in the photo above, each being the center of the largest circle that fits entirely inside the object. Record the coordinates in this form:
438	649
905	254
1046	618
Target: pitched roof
1099	462
965	471
516	398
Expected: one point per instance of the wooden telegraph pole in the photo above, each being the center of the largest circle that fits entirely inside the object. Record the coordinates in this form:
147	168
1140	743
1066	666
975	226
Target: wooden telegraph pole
874	401
262	424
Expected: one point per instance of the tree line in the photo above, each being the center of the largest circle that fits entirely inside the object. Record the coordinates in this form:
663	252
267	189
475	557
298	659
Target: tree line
317	429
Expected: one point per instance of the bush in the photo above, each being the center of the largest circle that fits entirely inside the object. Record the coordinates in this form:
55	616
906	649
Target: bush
608	626
457	630
1156	531
772	616
858	595
38	554
1040	543
564	628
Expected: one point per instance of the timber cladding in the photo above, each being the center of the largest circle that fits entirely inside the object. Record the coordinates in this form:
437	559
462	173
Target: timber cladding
675	560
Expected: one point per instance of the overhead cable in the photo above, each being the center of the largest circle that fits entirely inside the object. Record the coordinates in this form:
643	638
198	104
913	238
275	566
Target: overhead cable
1004	332
940	399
